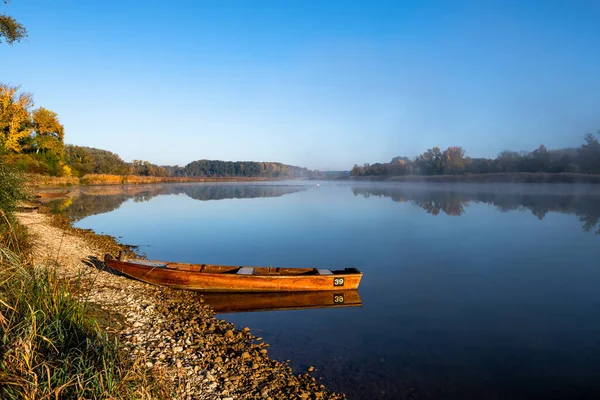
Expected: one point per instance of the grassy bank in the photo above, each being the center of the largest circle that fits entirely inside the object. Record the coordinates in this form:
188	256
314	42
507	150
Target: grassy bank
36	180
53	347
51	343
520	177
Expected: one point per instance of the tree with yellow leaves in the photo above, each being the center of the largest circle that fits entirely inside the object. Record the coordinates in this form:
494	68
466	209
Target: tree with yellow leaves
15	117
49	133
32	139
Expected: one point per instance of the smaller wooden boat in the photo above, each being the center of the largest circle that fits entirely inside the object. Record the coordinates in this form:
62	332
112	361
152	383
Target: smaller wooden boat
250	302
28	208
51	195
222	278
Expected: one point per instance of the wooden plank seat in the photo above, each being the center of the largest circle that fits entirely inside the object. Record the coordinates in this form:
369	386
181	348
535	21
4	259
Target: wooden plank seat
246	271
324	272
146	263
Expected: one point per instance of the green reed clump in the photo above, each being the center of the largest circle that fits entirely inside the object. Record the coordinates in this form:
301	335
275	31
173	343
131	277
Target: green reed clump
12	192
12	189
51	347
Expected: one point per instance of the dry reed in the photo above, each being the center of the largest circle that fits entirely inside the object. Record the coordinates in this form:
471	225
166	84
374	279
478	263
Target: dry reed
51	346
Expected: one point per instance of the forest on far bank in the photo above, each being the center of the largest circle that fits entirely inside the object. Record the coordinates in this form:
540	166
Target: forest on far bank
33	140
86	160
452	161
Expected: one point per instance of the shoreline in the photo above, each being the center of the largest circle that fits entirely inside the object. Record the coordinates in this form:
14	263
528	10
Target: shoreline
45	181
172	332
504	177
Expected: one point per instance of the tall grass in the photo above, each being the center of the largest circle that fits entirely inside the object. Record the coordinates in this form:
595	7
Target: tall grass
38	180
51	345
12	192
105	179
12	189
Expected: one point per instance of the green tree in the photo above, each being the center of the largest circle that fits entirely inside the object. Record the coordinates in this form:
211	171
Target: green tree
589	155
12	190
145	168
87	160
430	162
453	161
541	159
10	30
507	161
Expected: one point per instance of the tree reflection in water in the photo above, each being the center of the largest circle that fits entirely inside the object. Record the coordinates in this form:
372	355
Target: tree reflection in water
452	200
86	201
539	200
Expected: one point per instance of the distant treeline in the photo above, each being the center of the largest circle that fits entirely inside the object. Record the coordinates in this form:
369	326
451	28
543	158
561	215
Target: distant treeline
86	160
452	161
212	168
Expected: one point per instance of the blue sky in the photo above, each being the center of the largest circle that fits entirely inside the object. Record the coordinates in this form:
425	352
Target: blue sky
321	84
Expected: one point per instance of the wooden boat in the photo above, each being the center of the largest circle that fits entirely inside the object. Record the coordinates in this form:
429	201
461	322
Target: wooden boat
250	302
47	195
222	278
28	208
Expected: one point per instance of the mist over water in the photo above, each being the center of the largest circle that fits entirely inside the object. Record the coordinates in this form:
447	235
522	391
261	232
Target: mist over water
470	291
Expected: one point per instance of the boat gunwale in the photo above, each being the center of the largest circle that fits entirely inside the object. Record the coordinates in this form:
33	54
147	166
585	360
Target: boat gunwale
167	267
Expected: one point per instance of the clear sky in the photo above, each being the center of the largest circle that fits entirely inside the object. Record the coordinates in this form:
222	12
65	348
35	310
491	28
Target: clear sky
318	83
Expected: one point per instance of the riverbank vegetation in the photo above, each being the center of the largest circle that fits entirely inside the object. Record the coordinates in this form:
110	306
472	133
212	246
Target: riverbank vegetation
452	161
214	168
41	181
51	344
33	140
30	139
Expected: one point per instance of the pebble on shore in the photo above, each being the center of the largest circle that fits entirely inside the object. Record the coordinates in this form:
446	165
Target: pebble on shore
171	331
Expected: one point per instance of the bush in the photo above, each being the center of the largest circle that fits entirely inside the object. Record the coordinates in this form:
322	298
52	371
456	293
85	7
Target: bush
12	189
37	180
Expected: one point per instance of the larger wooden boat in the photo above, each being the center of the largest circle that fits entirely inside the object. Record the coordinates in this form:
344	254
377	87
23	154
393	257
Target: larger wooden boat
250	302
222	278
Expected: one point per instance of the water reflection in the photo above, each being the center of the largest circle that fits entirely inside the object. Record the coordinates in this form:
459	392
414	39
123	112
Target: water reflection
490	305
584	202
246	302
85	201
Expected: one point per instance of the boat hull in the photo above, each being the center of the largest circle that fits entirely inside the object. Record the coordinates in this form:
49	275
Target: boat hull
191	277
47	195
253	302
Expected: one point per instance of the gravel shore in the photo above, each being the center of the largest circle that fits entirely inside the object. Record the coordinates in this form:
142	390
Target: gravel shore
171	331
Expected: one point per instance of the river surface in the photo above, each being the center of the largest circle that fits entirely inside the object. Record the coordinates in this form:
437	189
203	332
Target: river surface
469	291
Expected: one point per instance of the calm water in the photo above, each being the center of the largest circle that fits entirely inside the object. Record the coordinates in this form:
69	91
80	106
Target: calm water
469	292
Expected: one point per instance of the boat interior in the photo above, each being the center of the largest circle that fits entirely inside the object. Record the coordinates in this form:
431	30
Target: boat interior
241	270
